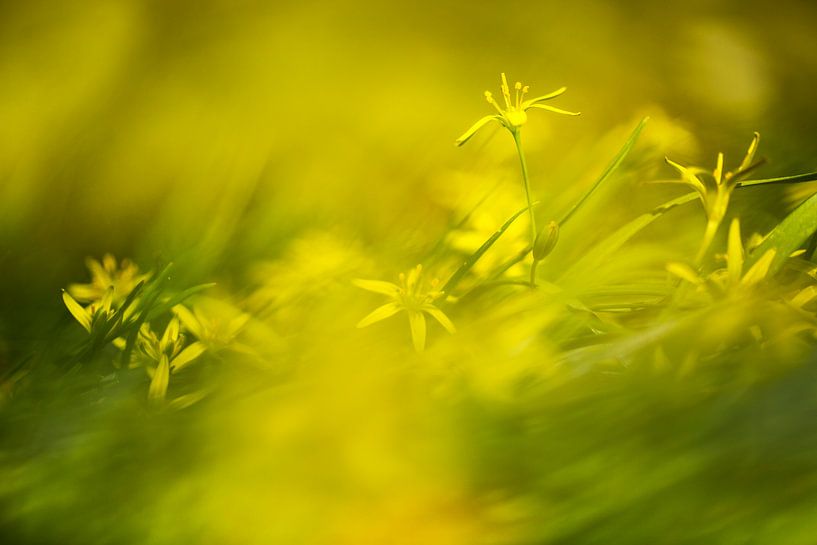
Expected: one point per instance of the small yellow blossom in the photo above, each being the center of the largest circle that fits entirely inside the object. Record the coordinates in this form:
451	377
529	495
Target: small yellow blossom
107	274
412	295
165	355
731	280
715	189
97	312
214	323
514	114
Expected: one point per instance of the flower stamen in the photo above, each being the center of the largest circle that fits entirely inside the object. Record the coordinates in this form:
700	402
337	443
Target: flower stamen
506	91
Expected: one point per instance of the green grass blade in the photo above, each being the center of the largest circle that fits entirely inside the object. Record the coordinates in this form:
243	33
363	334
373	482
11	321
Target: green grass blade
788	236
797	179
614	164
171	302
608	246
466	266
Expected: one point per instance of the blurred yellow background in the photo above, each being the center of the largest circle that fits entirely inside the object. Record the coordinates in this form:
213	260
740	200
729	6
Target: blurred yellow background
288	145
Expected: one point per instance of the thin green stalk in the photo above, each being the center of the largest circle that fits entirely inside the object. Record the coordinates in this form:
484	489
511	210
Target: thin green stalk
533	272
526	181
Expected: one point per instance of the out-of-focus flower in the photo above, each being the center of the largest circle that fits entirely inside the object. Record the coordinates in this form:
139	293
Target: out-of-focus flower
413	295
214	323
514	114
715	189
96	312
120	278
732	279
165	355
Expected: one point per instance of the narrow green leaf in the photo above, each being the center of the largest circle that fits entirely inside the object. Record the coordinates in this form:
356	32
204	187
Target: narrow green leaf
797	179
614	164
466	266
607	247
788	236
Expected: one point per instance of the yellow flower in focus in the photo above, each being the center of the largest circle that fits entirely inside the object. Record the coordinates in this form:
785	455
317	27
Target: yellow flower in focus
514	114
412	295
122	278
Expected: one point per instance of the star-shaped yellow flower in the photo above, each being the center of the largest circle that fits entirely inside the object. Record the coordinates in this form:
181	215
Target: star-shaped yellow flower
514	114
120	278
165	355
413	295
715	188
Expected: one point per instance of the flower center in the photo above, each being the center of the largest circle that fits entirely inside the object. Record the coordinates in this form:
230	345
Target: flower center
516	118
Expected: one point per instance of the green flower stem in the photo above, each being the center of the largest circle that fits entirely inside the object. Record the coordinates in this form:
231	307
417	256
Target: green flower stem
525	180
533	272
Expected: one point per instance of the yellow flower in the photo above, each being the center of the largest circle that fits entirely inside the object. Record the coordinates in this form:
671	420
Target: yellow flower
165	355
98	312
715	188
412	295
514	114
122	278
731	280
214	323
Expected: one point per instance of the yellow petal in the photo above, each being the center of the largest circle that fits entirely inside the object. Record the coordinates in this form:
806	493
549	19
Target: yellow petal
188	320
377	286
417	322
76	310
186	400
554	110
734	253
380	313
193	351
98	274
158	384
759	270
688	175
170	335
684	272
750	154
440	316
804	296
466	136
236	324
528	103
718	172
109	262
84	292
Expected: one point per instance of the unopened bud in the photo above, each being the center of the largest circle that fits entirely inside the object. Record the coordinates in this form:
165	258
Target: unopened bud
545	241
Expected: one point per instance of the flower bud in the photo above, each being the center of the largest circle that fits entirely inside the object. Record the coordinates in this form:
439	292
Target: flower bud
545	241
